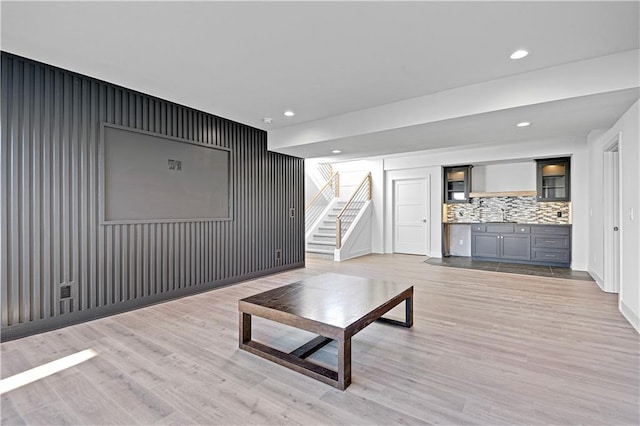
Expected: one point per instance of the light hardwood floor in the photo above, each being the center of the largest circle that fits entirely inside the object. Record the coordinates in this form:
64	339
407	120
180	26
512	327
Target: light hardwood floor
486	348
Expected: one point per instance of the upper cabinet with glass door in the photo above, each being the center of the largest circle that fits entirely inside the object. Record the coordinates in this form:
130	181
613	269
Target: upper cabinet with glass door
457	184
554	179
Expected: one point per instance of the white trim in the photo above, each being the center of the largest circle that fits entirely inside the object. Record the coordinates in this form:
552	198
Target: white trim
610	284
629	315
598	279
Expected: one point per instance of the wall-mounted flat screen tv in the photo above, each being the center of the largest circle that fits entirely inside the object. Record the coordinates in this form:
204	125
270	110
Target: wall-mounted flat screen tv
148	177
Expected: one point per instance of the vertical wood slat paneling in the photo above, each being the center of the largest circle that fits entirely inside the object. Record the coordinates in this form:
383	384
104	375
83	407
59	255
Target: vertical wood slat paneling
4	197
35	194
50	232
25	142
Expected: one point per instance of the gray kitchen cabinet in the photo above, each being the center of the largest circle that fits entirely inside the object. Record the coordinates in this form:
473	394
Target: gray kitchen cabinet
553	179
551	245
516	247
531	244
504	245
457	184
485	245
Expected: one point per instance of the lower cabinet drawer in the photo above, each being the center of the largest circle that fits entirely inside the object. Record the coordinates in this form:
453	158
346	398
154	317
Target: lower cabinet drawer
550	241
551	229
563	256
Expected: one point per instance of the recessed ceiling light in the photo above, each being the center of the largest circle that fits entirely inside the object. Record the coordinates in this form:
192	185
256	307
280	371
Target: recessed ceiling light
267	120
336	151
523	124
289	113
519	54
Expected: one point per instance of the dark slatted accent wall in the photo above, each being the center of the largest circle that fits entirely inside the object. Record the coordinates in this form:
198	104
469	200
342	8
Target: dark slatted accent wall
49	228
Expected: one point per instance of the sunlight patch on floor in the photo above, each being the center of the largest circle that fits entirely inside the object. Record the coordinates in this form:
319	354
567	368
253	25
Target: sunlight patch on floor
45	370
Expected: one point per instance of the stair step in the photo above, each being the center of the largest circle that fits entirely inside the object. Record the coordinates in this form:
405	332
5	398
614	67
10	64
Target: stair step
327	228
350	209
323	243
324	237
328	253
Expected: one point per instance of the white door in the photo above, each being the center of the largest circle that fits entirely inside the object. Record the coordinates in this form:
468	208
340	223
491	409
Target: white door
410	216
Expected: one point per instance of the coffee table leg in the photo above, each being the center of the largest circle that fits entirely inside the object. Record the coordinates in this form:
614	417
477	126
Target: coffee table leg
344	363
245	328
408	312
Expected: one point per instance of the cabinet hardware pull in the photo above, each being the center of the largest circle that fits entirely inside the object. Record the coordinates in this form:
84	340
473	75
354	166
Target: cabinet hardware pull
550	255
550	241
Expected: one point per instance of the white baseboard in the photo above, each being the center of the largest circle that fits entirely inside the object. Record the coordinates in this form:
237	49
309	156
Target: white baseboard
579	267
598	279
629	315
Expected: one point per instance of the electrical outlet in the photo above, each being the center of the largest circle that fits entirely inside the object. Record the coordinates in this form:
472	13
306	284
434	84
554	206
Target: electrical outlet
292	212
279	254
559	214
65	291
461	242
178	165
172	165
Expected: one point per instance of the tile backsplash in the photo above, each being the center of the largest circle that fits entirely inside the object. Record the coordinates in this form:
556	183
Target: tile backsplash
518	209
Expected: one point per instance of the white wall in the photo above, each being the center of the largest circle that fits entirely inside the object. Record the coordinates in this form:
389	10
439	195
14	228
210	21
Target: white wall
628	131
520	176
310	189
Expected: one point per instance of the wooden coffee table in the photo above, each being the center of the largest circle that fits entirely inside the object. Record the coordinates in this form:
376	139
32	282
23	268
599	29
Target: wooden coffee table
333	306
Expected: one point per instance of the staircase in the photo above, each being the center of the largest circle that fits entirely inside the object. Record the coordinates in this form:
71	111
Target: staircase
322	240
329	227
323	237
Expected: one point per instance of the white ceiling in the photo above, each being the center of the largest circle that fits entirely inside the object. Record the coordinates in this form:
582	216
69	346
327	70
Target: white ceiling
326	60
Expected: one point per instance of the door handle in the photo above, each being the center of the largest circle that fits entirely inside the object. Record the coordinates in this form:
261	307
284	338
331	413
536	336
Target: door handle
615	228
424	220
